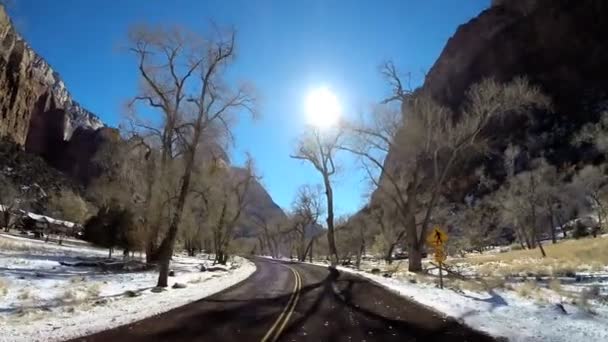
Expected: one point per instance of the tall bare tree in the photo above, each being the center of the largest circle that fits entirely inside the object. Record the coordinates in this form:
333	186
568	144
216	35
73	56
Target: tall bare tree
319	148
182	81
414	153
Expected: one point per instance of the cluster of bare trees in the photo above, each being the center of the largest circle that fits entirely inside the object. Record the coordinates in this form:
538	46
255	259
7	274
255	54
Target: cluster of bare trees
409	152
295	234
171	172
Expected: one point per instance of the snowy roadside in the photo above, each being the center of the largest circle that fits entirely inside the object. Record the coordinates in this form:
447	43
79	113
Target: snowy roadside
502	313
42	300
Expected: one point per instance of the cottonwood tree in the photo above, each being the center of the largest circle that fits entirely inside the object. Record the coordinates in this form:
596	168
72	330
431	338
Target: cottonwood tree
182	83
270	233
355	236
319	148
591	183
223	206
390	229
113	226
68	206
426	141
307	207
525	200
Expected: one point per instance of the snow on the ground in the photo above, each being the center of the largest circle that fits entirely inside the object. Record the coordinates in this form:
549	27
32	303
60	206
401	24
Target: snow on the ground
504	313
41	300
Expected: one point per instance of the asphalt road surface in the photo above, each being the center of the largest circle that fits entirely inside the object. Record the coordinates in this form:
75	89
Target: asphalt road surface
285	301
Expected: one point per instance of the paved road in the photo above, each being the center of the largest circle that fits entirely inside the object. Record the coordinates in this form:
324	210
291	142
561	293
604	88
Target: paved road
296	302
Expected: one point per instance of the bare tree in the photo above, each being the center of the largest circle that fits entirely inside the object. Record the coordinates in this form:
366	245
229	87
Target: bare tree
525	199
391	232
270	233
306	209
182	80
591	182
223	205
425	143
355	235
319	148
9	202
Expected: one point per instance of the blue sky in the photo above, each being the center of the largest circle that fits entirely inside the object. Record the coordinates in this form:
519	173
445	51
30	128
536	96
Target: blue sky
286	48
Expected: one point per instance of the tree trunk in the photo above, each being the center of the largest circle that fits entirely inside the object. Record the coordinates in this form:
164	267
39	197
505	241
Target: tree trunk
552	222
333	251
307	251
110	253
152	254
163	273
414	247
359	254
311	246
415	258
540	245
389	254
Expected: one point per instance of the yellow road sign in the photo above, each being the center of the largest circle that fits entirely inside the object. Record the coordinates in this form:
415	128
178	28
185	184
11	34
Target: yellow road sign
437	237
440	255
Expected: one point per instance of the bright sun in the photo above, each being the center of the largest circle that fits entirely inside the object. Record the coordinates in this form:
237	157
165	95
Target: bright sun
322	108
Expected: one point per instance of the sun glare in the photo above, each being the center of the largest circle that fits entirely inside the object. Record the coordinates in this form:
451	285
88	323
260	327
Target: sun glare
322	108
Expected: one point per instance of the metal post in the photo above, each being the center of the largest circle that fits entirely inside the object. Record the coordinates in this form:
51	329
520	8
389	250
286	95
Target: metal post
440	275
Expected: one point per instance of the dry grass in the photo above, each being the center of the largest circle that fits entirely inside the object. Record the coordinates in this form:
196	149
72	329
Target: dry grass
80	293
3	287
556	286
563	259
93	290
528	289
10	245
487	284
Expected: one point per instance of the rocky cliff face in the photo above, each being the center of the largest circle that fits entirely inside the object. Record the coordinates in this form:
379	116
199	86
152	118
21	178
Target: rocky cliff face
560	45
36	109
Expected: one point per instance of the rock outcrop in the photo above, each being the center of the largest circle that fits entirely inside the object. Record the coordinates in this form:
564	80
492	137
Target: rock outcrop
36	109
560	45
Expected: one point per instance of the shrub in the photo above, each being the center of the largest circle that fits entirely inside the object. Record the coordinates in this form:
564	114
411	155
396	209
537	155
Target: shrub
527	289
113	226
492	283
93	290
580	230
69	206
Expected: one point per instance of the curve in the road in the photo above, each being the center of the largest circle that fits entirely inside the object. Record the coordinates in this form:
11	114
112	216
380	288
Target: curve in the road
284	317
285	301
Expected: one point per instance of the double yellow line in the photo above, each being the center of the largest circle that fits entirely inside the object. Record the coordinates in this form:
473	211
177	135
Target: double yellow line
272	335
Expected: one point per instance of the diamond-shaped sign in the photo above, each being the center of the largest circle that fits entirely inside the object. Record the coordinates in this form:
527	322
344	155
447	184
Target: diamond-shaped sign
437	237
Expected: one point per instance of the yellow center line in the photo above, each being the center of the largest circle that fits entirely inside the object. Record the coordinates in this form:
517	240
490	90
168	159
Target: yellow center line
288	310
293	307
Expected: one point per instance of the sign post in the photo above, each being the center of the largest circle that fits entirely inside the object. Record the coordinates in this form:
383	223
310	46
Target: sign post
437	239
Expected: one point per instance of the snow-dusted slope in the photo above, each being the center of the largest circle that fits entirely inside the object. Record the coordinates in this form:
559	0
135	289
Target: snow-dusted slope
42	300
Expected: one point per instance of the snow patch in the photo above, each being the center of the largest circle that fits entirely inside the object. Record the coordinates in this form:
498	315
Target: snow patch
42	300
503	313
